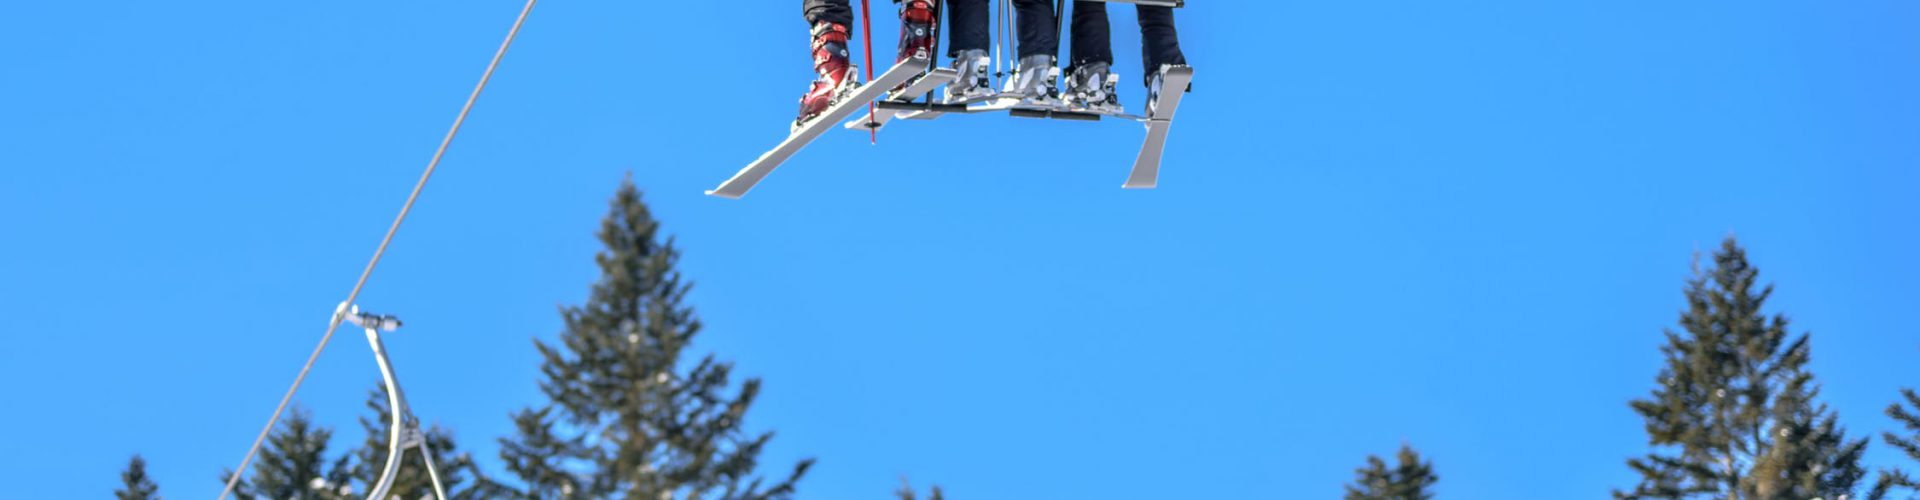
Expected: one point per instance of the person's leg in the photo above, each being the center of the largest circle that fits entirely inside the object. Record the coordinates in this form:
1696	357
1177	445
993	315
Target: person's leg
1039	31
829	20
1159	42
1092	38
969	35
969	26
1088	85
827	11
1036	77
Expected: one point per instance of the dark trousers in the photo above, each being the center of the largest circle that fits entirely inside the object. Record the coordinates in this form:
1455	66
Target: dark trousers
970	26
830	11
1093	39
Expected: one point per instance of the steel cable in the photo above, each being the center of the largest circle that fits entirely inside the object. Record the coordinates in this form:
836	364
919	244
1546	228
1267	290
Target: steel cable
334	324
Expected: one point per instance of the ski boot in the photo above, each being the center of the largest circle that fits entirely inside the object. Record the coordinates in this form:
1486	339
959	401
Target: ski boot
975	82
1036	83
836	78
917	27
1154	88
1090	87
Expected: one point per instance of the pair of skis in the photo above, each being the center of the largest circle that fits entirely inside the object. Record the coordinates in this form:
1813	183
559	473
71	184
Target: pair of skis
1146	167
747	177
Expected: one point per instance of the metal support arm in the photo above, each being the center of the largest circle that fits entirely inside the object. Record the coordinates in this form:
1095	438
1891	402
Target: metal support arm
403	430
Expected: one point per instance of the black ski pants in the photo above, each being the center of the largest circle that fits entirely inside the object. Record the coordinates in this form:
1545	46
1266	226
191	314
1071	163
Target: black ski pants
1093	39
970	26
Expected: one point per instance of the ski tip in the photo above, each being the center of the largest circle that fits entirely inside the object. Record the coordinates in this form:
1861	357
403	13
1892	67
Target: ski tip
1141	185
718	194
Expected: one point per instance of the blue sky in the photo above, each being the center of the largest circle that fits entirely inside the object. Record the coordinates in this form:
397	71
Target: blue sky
1459	225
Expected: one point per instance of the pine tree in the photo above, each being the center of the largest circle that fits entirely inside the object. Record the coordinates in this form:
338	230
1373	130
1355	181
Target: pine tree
1411	479
1894	477
537	455
1733	414
134	483
626	418
411	480
294	466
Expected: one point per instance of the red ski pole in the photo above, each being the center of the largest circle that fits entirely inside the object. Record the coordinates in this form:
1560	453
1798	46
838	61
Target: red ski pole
866	31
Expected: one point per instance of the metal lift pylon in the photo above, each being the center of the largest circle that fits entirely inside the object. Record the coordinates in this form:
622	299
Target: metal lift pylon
403	430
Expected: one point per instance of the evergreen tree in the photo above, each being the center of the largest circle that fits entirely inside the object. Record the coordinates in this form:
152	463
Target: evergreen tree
1733	413
626	418
1894	477
294	466
411	480
536	454
1411	479
134	483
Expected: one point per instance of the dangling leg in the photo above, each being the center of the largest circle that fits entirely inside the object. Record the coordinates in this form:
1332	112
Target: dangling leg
969	34
1160	48
1034	19
1159	41
829	19
1089	82
1036	78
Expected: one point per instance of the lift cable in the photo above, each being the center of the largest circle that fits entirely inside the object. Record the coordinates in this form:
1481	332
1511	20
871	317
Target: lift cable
333	325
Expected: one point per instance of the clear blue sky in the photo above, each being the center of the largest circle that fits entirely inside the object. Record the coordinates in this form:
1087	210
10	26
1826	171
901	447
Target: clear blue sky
1459	225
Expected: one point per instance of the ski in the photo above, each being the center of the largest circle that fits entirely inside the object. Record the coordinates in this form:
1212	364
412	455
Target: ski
746	178
1146	167
920	87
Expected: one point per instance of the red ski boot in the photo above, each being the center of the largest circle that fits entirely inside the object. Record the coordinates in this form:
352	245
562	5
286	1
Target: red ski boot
836	72
917	26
